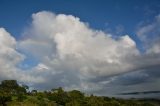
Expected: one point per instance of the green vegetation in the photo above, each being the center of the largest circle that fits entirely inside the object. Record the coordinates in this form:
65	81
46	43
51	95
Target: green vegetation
13	94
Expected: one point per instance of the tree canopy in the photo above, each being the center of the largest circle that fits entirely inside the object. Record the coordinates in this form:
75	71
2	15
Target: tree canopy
14	94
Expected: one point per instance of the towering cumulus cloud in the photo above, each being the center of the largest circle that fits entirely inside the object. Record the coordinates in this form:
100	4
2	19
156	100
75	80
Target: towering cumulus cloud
69	53
65	41
66	45
9	57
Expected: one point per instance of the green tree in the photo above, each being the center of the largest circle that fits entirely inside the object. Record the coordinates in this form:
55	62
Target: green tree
4	98
75	94
59	95
9	86
7	89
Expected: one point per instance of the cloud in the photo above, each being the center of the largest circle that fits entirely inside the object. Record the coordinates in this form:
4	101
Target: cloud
154	48
146	77
149	34
10	57
149	31
67	40
69	47
72	55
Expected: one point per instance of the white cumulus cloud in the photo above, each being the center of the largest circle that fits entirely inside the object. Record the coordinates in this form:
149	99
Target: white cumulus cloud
70	54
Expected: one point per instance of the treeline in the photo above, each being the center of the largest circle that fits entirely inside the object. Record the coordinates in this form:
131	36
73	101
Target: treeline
13	94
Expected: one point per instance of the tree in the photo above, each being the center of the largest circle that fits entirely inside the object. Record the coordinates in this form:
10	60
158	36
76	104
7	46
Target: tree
75	94
4	98
59	95
25	86
34	92
9	86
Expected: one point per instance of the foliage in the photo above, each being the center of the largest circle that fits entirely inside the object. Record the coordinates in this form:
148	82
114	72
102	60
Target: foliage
12	94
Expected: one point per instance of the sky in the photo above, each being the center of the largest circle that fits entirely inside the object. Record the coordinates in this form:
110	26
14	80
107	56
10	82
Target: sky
107	47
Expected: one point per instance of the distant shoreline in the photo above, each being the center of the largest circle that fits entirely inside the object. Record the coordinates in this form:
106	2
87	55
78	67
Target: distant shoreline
139	93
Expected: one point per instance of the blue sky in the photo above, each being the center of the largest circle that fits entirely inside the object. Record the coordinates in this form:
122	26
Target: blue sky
99	14
82	56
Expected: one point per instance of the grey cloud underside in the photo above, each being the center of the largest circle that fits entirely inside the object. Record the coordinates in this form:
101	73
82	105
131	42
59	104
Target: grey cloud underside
74	56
